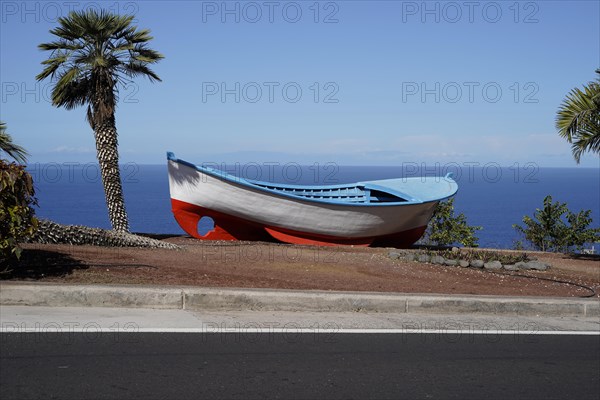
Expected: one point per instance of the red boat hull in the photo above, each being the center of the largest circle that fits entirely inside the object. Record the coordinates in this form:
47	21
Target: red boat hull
228	227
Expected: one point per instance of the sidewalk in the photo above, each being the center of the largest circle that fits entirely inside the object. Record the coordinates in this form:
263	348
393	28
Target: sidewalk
231	299
93	320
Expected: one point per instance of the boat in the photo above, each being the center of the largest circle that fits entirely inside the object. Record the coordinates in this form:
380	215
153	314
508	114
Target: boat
390	212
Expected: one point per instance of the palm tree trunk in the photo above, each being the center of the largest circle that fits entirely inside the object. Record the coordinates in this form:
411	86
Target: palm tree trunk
108	159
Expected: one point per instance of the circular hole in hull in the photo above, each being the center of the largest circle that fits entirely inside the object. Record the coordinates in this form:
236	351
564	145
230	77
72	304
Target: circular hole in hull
205	225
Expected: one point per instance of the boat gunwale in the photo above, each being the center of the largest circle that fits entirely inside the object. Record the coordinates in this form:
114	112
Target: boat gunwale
260	186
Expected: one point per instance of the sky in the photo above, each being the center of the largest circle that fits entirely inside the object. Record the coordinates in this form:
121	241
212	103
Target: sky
349	82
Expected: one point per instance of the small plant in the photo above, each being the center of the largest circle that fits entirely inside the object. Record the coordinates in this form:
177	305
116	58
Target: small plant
555	228
483	255
504	258
17	219
445	228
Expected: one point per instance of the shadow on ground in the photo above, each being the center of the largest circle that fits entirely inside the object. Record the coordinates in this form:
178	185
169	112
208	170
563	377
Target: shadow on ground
159	236
37	264
591	257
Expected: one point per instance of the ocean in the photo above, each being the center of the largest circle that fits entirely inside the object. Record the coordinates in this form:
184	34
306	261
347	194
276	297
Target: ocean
490	196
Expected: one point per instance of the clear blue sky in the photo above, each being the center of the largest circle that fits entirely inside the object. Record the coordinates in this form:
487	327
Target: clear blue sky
398	81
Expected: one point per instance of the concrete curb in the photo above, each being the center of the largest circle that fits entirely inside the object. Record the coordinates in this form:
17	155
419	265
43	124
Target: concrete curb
194	298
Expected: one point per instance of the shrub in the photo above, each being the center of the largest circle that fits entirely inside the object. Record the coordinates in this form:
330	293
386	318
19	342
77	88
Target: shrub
17	219
484	255
555	228
445	228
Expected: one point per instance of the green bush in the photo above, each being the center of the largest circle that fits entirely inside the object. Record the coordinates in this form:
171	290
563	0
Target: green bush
445	228
17	219
484	255
555	228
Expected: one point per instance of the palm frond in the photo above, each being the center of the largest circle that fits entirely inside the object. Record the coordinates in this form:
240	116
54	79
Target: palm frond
93	52
7	146
71	91
578	119
146	55
136	68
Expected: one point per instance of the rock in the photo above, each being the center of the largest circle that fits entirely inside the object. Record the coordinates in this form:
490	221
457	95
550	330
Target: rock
455	249
476	263
450	263
511	267
522	265
424	258
394	255
537	265
409	257
463	263
492	265
438	260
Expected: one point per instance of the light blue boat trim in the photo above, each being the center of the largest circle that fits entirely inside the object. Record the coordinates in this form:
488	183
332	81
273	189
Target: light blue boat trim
350	194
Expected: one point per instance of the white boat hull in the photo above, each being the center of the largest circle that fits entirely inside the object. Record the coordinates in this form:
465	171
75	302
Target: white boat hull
251	211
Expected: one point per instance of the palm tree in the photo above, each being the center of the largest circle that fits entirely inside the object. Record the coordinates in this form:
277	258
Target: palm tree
94	53
7	146
578	119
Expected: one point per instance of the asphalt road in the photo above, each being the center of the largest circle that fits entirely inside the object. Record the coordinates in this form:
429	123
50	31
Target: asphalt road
292	365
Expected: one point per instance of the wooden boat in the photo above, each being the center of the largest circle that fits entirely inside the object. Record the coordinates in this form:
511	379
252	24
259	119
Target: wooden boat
390	212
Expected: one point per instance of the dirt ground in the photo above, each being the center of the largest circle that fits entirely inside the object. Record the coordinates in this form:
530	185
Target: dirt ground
282	266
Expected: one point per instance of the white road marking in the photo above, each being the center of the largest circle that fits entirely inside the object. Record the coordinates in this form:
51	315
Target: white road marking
267	330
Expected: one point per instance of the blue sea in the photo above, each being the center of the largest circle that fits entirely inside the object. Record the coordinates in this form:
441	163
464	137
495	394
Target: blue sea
490	196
